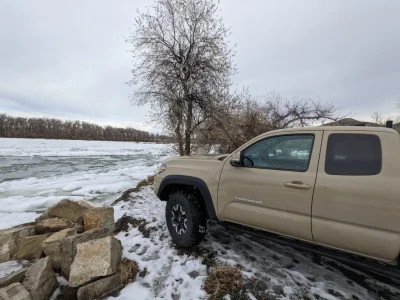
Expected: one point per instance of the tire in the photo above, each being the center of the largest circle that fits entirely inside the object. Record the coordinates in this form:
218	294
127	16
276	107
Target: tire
188	230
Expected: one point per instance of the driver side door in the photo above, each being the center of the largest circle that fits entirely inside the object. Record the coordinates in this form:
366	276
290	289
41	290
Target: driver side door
273	187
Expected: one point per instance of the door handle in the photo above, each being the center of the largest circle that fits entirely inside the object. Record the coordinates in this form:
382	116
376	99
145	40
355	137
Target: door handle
297	185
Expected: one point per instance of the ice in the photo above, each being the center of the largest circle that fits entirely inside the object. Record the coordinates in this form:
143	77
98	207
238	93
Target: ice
8	220
35	174
30	204
78	148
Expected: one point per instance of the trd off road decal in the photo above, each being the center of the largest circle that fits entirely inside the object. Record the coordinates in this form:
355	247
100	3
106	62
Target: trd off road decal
248	200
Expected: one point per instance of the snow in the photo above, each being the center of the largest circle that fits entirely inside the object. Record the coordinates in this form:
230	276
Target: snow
11	266
288	274
62	283
167	273
136	289
35	174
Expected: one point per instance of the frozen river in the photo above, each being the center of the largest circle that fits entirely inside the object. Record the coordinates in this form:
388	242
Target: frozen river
36	173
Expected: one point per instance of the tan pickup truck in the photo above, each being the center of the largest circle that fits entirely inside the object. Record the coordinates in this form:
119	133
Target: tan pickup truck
337	187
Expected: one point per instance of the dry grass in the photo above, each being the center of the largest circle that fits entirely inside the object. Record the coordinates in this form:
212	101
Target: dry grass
128	270
123	223
208	256
148	181
224	280
125	195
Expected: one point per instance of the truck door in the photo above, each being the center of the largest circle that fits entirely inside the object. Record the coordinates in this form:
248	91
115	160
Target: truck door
273	190
356	205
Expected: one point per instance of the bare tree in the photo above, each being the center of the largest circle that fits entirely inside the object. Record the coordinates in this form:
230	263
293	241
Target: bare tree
381	119
250	117
181	62
297	112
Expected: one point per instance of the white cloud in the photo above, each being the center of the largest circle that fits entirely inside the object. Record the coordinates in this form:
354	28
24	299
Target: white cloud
70	60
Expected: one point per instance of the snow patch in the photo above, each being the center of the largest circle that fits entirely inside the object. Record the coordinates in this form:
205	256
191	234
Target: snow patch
11	266
284	272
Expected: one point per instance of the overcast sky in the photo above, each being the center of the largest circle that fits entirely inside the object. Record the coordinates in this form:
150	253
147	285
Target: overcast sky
68	59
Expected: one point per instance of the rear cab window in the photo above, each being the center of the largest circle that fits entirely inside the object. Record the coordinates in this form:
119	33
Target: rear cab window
353	154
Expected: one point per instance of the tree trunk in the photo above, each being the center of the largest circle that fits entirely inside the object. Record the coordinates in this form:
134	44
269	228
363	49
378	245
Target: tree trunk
179	140
188	129
178	131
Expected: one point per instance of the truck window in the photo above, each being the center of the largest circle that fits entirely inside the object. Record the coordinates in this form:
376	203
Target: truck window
285	152
353	154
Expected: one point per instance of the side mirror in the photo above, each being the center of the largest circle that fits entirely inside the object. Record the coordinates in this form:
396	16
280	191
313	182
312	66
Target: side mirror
237	160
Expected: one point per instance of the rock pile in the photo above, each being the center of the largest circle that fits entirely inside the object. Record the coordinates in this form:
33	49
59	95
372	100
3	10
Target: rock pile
70	239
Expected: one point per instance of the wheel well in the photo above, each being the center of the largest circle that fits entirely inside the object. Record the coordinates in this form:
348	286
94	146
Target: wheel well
172	188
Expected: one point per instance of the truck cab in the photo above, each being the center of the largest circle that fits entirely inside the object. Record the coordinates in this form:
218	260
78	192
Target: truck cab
336	187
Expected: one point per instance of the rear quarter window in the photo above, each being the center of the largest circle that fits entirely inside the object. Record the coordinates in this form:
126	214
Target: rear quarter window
353	154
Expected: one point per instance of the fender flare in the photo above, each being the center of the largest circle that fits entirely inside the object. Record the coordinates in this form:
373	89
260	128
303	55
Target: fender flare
191	181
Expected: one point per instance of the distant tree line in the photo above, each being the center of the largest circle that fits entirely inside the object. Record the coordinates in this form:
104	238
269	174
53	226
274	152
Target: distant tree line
44	128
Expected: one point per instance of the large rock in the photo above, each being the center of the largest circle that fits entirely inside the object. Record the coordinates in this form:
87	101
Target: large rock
87	204
17	276
95	259
101	217
53	225
52	246
79	228
65	209
7	251
68	246
9	239
100	288
40	280
30	247
24	225
15	291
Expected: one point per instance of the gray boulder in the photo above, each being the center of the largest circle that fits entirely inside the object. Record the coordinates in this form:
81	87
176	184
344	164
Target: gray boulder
65	209
52	246
87	204
101	217
7	251
17	276
53	225
40	280
30	247
79	228
68	246
95	259
100	288
24	225
9	239
14	291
